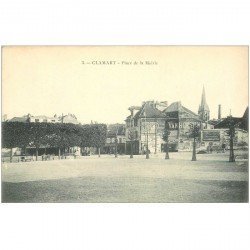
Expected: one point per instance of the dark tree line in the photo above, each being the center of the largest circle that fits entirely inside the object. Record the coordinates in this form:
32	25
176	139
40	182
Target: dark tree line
52	135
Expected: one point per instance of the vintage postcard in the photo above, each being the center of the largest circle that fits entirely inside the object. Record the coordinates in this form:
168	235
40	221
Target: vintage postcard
151	124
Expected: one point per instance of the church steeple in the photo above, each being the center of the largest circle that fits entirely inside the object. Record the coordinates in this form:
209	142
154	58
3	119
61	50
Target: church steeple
204	112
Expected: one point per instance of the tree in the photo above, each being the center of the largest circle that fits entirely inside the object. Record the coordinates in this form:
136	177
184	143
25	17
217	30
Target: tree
131	137
98	135
194	133
15	134
231	133
85	136
8	137
116	140
116	143
165	138
38	135
59	135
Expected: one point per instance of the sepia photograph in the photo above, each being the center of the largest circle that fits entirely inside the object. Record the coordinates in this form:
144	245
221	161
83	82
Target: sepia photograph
125	124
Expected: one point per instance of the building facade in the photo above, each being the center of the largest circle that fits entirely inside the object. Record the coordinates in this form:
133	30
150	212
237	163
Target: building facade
180	120
116	137
145	127
69	118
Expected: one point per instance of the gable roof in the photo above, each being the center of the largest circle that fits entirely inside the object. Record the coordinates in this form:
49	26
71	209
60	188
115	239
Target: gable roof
246	114
19	119
178	107
115	129
149	110
237	122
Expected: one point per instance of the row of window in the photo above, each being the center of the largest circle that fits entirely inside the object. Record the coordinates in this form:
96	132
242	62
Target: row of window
44	120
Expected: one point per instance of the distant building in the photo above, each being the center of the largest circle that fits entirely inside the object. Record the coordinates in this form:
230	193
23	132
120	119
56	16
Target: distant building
147	125
204	112
69	118
219	135
24	118
43	118
179	119
239	122
115	137
4	118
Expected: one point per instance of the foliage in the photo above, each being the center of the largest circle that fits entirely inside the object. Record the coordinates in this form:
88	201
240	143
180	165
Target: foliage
194	130
15	134
166	133
98	134
60	135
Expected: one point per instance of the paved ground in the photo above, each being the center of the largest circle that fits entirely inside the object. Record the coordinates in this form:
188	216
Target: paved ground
107	179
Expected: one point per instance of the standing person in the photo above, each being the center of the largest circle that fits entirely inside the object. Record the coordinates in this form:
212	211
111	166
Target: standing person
223	146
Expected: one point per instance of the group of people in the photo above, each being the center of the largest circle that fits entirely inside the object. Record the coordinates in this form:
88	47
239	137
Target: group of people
211	148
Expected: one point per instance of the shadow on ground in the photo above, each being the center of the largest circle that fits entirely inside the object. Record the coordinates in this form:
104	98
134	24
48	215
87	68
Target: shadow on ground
125	189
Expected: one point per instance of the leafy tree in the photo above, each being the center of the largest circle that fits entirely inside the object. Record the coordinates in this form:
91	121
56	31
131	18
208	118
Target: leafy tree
98	136
15	134
194	133
116	144
165	138
85	136
231	133
59	135
131	137
38	135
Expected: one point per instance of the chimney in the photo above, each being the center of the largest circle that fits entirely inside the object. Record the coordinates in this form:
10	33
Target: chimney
4	117
219	112
161	105
132	108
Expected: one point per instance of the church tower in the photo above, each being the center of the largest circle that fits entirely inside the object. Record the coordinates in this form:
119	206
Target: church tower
204	112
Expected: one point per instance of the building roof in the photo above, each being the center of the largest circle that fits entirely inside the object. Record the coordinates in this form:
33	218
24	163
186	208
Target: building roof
19	119
245	115
173	107
149	110
237	122
214	121
44	117
115	129
178	107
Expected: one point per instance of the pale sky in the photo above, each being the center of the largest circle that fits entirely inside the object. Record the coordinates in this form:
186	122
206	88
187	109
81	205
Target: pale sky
52	80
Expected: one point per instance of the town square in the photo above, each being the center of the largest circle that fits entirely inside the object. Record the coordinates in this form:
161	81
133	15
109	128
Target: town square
119	146
108	179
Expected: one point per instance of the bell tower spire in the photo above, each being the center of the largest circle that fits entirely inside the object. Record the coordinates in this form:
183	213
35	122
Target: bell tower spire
204	112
